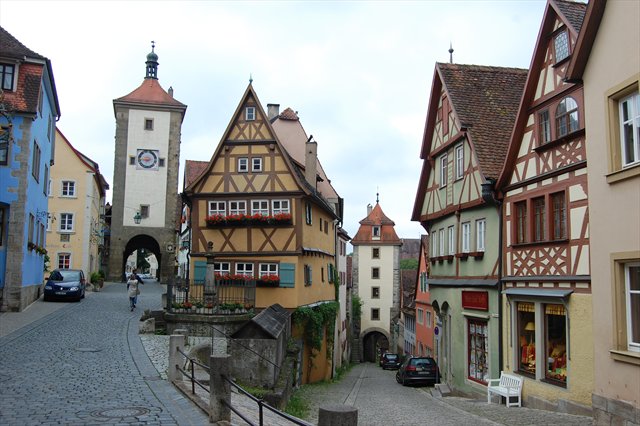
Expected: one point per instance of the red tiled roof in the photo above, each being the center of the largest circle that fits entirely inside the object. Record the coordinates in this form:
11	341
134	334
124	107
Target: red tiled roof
376	218
150	92
573	11
12	48
288	114
486	101
193	169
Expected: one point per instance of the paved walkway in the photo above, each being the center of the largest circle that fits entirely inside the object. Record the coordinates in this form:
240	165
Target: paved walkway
84	364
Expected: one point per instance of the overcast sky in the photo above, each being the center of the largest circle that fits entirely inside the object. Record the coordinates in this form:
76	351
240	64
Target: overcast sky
358	73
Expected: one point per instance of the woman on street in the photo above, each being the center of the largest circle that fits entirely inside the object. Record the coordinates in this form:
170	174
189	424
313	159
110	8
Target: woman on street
133	289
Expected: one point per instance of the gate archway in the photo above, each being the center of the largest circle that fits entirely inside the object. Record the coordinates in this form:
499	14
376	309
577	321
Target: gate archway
374	343
142	241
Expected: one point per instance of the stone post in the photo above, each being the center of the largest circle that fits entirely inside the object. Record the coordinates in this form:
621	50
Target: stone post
220	394
338	415
175	342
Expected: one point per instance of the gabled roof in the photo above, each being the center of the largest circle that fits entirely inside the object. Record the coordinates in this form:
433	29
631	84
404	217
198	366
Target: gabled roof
572	14
376	217
101	182
591	23
192	170
271	322
34	69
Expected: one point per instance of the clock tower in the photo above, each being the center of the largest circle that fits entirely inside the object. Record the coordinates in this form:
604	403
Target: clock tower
145	174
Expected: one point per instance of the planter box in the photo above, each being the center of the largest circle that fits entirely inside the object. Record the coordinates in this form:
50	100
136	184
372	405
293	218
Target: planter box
248	222
263	283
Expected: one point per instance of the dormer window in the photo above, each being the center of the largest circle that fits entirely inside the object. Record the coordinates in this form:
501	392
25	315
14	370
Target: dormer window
375	231
250	113
7	73
561	45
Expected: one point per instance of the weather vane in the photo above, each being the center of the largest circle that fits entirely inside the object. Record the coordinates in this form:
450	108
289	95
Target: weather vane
153	45
250	79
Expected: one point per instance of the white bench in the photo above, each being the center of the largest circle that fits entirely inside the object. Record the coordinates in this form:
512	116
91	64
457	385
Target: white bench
509	386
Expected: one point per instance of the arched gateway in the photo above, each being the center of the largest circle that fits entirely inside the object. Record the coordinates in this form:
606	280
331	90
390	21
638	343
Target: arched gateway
145	175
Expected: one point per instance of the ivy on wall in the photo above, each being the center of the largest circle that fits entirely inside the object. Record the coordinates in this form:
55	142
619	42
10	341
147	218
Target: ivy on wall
314	321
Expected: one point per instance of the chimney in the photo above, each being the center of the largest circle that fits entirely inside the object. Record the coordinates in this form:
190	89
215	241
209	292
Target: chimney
310	161
273	110
171	91
369	209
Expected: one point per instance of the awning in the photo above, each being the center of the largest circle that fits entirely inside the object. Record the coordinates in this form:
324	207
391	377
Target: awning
537	292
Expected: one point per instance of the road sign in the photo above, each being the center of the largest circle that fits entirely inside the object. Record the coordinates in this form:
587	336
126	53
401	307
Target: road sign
436	330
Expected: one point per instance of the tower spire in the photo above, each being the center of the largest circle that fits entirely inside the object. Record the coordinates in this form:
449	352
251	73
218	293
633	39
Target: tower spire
450	53
152	63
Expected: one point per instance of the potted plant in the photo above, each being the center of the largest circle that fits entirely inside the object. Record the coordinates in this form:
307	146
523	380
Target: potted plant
97	280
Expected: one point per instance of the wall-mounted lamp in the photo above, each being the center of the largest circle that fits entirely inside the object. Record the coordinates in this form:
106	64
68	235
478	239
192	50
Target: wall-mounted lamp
137	218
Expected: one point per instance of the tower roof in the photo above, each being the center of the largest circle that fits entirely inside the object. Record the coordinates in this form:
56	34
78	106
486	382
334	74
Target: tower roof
376	217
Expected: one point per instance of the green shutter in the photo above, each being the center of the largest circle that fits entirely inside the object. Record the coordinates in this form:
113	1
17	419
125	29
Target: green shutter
199	271
287	275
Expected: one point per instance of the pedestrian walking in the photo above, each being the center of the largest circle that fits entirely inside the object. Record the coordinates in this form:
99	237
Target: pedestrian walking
133	289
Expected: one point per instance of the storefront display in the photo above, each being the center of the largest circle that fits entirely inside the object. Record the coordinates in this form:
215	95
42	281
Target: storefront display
478	338
556	342
527	337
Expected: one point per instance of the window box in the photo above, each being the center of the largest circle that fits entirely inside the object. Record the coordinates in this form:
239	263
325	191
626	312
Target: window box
477	254
440	259
448	258
220	221
462	255
268	281
433	260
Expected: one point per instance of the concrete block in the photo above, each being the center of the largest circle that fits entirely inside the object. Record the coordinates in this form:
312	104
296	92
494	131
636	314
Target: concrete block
621	409
540	403
443	388
599	402
338	415
572	407
601	418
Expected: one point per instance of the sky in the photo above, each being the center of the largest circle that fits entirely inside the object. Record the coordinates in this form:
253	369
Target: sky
359	73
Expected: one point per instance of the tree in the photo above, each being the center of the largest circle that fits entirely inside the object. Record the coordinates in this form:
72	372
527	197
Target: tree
408	264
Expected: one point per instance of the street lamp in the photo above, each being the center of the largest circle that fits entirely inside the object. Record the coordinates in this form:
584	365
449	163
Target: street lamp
137	218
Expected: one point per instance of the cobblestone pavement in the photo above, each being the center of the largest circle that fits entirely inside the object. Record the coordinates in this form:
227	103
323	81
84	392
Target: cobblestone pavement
84	364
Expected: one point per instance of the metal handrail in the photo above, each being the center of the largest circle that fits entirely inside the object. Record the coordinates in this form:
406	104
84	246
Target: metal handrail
191	375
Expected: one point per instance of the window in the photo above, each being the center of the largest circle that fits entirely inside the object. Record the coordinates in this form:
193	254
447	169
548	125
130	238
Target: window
466	237
526	326
68	188
244	269
481	228
308	213
375	231
3	212
32	221
217	208
428	320
268	269
160	162
375	314
148	123
521	222
243	165
443	170
545	127
65	238
7	73
237	207
424	287
630	129
566	117
561	45
451	233
250	113
64	260
35	166
478	353
375	273
221	268
280	207
539	213
260	207
46	181
442	241
308	275
632	297
256	164
144	210
41	235
375	253
132	160
66	222
375	292
434	245
420	316
555	323
459	161
559	213
5	136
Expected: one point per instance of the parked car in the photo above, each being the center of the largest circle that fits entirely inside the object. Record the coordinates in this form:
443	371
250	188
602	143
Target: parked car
65	284
391	361
418	370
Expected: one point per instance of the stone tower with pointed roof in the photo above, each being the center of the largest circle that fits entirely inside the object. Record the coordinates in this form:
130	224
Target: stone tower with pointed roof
376	280
145	176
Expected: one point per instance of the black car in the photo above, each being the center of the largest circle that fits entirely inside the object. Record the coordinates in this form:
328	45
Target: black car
65	284
391	361
422	370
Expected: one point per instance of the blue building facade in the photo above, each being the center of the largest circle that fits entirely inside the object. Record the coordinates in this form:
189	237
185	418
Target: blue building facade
29	110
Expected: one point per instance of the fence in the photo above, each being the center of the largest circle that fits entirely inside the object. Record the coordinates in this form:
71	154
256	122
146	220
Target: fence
220	383
221	297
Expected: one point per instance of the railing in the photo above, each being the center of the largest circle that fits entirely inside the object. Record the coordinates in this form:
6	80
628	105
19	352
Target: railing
222	297
217	394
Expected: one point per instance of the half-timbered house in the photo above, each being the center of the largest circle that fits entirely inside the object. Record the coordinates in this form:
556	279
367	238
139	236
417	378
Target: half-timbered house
469	122
264	209
424	310
547	328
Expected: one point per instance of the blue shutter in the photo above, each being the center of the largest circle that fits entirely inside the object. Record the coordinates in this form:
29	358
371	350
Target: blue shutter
199	271
287	275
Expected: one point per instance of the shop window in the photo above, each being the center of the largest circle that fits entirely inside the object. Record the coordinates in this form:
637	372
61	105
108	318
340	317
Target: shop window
555	321
478	339
526	323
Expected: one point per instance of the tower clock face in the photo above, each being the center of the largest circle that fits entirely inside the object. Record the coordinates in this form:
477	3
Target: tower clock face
147	159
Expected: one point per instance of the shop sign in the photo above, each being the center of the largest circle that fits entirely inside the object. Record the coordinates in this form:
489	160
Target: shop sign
475	300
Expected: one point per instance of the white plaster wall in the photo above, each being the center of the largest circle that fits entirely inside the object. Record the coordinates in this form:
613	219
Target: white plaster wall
147	186
385	282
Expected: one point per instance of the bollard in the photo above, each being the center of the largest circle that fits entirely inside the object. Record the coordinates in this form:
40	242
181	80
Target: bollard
175	342
338	415
185	333
220	390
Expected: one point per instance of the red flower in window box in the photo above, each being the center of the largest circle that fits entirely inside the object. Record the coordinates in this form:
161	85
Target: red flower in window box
268	281
215	219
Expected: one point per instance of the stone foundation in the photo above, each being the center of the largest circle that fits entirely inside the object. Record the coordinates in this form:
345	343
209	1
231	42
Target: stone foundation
16	299
561	406
614	412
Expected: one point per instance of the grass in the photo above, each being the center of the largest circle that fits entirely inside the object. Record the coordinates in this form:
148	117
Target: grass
297	406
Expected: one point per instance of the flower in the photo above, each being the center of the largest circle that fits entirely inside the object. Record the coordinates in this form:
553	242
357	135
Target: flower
270	278
234	277
214	219
282	217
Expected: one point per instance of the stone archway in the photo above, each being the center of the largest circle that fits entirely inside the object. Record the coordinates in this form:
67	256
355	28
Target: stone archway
374	343
142	241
